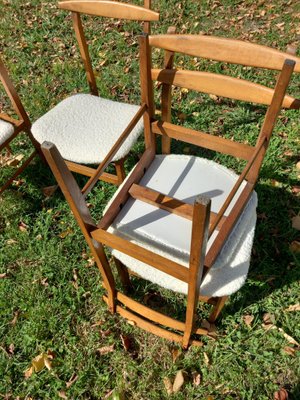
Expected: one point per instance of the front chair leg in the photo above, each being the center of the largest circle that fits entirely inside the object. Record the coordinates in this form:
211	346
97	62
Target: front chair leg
123	273
119	165
217	309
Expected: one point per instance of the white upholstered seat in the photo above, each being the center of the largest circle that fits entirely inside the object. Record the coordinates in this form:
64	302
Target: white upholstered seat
6	131
85	127
185	177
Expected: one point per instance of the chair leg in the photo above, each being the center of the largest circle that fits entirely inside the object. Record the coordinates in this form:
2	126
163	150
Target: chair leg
123	273
217	309
119	165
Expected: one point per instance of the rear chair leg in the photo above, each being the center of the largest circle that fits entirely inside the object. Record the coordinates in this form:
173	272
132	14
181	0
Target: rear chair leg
123	273
119	165
217	309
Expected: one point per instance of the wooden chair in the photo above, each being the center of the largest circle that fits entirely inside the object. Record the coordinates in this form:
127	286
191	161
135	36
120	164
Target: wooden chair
11	127
184	222
84	127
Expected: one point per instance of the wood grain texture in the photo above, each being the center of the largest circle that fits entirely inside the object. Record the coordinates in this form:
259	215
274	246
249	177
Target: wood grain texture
110	9
140	253
227	50
221	85
198	138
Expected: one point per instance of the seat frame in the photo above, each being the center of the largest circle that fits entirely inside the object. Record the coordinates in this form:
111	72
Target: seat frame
204	223
109	9
22	124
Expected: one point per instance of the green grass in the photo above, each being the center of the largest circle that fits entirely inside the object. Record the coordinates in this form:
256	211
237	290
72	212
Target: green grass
51	296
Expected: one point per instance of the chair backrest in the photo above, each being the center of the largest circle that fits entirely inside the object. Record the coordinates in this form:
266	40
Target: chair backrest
229	51
109	9
14	98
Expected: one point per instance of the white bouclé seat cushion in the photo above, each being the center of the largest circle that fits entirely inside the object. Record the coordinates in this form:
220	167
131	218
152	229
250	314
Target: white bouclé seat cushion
85	127
185	177
6	131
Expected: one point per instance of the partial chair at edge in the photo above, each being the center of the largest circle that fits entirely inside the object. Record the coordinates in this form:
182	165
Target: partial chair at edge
84	127
11	127
184	222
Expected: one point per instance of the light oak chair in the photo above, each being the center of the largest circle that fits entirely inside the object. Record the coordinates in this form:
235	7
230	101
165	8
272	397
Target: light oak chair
11	127
84	127
184	222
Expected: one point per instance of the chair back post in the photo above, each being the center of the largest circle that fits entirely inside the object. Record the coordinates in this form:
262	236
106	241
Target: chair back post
82	214
84	52
200	224
13	95
146	89
271	117
166	95
147	26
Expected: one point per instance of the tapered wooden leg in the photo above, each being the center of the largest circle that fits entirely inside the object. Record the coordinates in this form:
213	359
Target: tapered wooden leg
200	225
119	165
123	273
217	309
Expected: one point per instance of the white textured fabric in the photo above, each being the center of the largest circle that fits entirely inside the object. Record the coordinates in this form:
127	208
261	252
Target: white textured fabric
185	177
6	131
85	127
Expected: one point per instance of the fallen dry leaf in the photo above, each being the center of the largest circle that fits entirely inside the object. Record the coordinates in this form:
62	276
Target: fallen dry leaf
196	378
295	247
248	319
168	385
62	394
125	342
289	338
49	190
295	189
4	275
290	350
72	380
40	362
15	318
281	394
106	349
268	318
22	226
15	161
206	359
298	165
65	233
179	381
175	354
294	307
296	222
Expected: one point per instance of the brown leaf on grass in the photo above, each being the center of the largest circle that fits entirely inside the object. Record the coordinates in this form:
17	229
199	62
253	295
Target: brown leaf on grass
15	161
11	348
62	394
65	233
290	350
22	226
126	342
206	359
10	242
281	394
40	362
248	319
298	165
168	385
268	318
4	275
175	354
295	247
196	378
179	381
49	190
106	349
289	338
295	189
296	222
15	318
72	380
294	307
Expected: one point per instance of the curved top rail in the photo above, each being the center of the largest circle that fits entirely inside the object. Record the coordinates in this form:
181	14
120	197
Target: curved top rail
111	9
227	50
221	85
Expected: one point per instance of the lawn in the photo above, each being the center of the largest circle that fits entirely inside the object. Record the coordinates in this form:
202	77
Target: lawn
50	290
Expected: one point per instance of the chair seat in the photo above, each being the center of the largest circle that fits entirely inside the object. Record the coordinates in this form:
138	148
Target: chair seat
85	127
6	131
184	178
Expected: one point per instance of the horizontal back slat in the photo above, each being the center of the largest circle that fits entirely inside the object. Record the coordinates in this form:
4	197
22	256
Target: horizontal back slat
227	50
111	9
220	85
